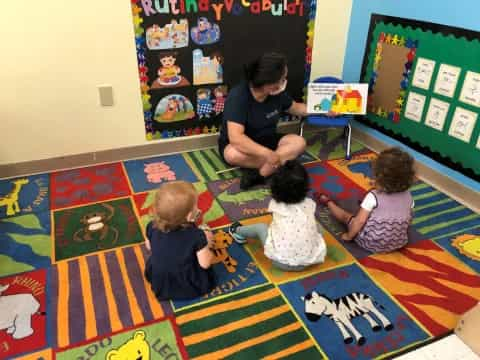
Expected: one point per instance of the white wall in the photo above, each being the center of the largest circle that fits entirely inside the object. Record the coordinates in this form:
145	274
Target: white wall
56	52
330	40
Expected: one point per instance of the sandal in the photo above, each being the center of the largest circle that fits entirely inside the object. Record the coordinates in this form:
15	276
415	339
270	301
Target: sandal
232	230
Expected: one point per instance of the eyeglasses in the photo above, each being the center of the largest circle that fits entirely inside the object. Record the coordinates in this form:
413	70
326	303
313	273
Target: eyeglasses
197	215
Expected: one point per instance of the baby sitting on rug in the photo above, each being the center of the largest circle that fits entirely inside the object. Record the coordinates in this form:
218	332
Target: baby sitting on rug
293	240
381	224
180	263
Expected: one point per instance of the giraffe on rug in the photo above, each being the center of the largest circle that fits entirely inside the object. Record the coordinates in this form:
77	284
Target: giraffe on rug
10	200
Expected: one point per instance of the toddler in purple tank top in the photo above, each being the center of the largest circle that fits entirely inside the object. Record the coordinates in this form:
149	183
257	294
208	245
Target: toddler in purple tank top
381	224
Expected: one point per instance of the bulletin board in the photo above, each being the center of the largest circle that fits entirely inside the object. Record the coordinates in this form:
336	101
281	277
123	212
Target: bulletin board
424	88
191	52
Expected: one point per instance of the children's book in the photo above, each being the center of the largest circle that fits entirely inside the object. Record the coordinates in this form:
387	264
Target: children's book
339	98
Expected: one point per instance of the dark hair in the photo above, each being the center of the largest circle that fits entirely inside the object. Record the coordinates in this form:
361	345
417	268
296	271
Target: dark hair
267	69
290	184
394	170
168	54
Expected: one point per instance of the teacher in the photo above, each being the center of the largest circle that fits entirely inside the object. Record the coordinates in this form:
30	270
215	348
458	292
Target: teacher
248	137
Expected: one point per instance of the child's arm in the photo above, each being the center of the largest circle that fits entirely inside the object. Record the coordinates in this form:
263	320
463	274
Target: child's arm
208	234
357	221
205	257
210	238
149	232
356	224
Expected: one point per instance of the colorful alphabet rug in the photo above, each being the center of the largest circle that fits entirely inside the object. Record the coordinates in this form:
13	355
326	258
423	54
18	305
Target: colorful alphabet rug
72	262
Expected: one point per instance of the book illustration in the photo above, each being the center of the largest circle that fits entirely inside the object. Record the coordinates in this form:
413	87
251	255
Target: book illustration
338	98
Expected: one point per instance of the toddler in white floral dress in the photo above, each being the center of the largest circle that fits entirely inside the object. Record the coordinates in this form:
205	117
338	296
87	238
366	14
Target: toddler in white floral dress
293	240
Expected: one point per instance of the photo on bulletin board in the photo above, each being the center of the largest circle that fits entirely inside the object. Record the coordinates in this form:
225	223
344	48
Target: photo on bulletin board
171	35
462	124
174	107
447	80
170	71
415	105
191	53
424	88
205	32
471	89
423	73
207	68
437	113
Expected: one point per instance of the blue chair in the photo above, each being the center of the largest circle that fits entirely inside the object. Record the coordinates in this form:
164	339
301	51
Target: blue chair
338	121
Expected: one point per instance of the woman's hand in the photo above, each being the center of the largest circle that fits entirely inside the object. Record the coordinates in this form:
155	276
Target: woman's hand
273	159
332	114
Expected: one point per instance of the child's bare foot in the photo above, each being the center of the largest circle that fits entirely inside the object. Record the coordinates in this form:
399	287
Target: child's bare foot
322	198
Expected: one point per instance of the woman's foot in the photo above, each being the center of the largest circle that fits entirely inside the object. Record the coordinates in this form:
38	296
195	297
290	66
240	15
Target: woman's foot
250	178
232	230
321	198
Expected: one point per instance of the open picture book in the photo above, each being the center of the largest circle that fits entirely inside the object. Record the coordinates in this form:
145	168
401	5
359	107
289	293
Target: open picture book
339	98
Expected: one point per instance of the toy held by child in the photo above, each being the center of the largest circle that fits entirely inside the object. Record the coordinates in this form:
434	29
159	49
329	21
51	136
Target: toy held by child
381	224
180	263
293	240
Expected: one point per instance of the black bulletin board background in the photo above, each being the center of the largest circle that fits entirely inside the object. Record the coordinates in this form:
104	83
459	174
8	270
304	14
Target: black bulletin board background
385	126
243	38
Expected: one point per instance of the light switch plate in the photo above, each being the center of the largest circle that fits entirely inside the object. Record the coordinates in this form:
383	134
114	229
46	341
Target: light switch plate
106	95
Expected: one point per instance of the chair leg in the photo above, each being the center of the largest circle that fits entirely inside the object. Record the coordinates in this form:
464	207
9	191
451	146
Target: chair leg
348	129
302	122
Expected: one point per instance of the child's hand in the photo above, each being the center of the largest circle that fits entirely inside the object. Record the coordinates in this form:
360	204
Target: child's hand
147	245
346	237
273	159
210	238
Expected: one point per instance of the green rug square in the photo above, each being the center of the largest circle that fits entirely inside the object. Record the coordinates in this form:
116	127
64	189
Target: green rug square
101	226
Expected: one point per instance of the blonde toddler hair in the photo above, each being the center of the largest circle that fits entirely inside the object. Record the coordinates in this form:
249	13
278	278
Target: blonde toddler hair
173	202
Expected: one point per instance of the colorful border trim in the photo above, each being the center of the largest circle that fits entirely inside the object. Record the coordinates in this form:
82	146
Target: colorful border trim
142	68
392	39
309	45
151	134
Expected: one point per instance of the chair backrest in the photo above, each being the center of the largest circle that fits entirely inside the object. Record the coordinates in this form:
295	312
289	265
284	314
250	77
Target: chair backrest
323	120
328	79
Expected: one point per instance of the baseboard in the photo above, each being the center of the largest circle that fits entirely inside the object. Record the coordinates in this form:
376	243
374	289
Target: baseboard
156	148
456	190
464	195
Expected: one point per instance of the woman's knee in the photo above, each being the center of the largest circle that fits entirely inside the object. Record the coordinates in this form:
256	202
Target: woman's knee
295	142
302	143
231	155
237	158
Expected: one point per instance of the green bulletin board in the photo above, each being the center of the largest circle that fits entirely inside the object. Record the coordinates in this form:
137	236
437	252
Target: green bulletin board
425	88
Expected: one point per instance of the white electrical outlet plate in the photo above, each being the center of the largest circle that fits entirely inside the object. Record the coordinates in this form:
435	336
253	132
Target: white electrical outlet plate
105	93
